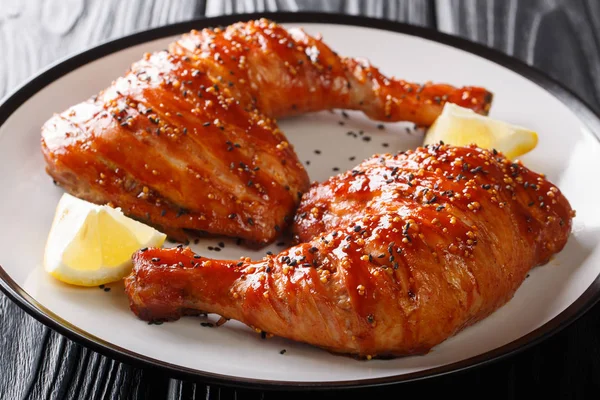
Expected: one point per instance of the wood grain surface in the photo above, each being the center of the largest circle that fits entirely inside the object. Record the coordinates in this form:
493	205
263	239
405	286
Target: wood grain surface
560	37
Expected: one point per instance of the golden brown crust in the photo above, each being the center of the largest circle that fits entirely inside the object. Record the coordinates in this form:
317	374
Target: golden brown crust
186	140
398	254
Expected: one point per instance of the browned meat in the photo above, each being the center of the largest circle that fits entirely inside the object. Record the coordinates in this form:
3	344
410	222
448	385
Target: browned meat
186	140
396	255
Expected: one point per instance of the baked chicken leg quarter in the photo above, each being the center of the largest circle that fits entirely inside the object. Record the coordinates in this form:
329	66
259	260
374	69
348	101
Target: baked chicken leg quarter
397	255
187	140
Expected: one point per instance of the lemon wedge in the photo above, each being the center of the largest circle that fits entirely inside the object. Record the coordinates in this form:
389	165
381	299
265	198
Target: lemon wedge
91	245
460	126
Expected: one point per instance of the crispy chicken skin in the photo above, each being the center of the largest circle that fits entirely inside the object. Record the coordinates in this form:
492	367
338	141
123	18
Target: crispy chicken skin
187	141
396	256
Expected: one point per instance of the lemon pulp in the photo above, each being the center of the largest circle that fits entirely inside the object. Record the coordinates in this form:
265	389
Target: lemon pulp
90	245
461	126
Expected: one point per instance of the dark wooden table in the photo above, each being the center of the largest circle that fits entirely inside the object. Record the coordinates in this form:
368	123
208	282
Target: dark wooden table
560	37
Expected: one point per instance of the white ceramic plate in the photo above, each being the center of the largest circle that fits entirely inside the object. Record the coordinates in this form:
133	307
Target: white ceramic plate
553	295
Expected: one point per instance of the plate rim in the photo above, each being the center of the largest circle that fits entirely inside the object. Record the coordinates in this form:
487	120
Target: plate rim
11	103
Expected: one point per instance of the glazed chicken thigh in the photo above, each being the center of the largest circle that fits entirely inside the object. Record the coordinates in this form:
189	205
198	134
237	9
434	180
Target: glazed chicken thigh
187	140
394	256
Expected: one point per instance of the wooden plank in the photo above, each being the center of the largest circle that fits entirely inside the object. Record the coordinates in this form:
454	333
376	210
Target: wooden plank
415	12
561	38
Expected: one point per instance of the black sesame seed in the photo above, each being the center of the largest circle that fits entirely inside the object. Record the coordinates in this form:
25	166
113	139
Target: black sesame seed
366	138
217	249
432	200
101	286
221	244
239	264
232	216
283	351
155	259
206	124
352	158
143	249
380	126
250	222
357	228
385	144
196	256
486	186
317	151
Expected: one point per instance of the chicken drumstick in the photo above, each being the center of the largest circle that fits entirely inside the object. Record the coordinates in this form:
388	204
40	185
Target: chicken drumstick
187	141
396	255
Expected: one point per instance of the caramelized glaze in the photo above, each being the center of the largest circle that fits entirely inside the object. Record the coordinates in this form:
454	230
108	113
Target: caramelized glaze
187	141
395	256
